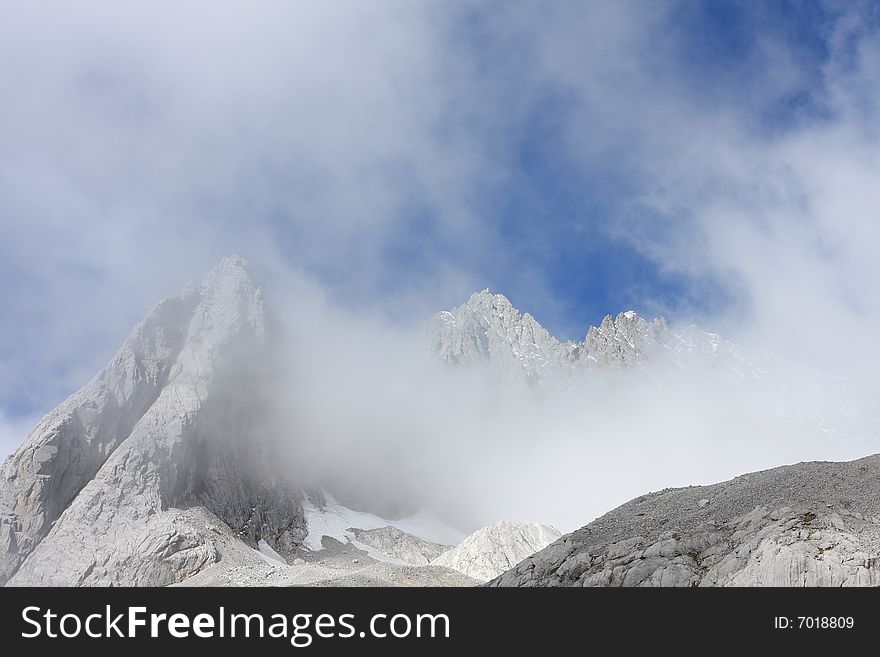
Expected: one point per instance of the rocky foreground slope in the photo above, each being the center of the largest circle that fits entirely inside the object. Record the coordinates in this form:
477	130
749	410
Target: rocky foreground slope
810	524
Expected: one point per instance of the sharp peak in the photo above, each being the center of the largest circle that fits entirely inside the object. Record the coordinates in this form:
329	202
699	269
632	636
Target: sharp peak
626	314
231	268
232	263
488	295
631	315
486	292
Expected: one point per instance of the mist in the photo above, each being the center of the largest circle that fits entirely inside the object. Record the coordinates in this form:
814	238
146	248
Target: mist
377	164
366	412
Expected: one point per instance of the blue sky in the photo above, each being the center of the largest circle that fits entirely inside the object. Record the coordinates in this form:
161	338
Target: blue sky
708	161
555	216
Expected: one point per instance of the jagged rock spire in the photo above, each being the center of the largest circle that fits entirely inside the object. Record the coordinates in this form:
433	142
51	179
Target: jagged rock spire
89	497
489	329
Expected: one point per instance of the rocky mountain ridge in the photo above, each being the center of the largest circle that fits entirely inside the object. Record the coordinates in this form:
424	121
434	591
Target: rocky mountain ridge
809	524
162	470
492	550
488	329
93	495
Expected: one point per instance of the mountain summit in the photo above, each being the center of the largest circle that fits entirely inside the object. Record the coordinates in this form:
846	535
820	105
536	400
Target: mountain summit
97	493
488	329
166	467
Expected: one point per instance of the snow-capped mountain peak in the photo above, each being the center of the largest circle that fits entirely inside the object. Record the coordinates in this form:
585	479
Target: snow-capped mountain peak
487	329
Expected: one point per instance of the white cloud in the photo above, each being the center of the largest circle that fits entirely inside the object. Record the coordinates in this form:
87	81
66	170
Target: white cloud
783	217
142	142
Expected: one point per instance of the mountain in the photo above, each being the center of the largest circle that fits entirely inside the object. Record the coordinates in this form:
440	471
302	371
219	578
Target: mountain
102	490
490	551
165	469
488	332
396	546
810	524
488	329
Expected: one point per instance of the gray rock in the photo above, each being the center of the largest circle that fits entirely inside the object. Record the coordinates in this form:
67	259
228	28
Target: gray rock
490	551
489	330
625	340
92	496
68	447
811	524
391	543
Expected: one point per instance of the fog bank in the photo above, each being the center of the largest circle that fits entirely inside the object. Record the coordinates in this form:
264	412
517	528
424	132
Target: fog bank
366	412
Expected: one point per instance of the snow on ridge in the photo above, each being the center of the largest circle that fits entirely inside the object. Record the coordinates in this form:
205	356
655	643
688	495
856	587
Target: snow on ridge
269	555
334	520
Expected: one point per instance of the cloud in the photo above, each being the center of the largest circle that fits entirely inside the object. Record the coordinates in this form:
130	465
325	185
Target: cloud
775	215
143	142
364	412
399	155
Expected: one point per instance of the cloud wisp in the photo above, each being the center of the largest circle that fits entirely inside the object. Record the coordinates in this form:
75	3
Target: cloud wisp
364	411
400	155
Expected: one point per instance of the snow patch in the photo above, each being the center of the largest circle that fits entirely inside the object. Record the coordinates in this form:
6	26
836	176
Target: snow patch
334	520
269	555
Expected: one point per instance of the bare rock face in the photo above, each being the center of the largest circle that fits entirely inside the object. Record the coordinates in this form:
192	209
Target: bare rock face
490	551
811	524
395	545
488	329
92	497
68	447
625	340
